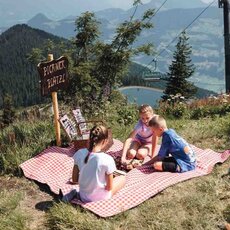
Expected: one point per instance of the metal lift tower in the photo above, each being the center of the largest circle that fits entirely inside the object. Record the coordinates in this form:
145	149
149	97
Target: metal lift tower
225	5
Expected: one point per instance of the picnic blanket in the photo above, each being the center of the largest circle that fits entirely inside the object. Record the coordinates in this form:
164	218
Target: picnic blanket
54	167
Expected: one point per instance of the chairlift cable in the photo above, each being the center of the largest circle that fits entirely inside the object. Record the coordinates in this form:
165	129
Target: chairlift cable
160	7
182	31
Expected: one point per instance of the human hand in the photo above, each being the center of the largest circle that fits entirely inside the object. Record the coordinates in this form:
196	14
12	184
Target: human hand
125	162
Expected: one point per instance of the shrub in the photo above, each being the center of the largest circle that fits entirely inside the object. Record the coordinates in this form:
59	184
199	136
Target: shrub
177	107
174	107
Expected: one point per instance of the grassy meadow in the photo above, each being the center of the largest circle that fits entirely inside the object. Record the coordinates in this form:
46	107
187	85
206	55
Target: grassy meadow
200	203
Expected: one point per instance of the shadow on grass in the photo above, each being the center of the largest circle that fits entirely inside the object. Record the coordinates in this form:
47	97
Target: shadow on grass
44	205
45	188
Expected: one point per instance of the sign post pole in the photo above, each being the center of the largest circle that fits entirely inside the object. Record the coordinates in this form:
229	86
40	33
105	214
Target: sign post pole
54	76
56	111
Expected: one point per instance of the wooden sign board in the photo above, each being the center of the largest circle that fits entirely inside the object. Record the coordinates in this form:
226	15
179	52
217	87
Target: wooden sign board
54	75
69	127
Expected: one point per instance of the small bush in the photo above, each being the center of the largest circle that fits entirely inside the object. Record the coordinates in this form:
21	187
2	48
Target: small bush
127	114
178	107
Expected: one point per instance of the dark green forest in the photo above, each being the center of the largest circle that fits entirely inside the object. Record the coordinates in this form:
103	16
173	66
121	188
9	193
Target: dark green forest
18	76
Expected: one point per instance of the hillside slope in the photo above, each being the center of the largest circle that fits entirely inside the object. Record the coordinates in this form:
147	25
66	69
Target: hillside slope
18	76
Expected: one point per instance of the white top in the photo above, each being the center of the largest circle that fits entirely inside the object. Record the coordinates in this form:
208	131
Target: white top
92	178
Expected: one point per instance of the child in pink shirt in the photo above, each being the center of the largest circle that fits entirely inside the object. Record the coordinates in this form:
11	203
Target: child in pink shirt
142	141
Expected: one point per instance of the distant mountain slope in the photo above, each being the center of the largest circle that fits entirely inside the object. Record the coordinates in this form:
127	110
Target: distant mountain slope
206	38
13	12
17	75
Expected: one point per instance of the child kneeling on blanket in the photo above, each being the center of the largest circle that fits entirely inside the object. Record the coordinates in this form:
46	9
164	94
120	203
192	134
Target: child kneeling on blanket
93	169
182	157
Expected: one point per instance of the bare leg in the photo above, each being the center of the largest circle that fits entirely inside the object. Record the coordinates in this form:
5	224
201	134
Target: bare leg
118	184
143	151
132	151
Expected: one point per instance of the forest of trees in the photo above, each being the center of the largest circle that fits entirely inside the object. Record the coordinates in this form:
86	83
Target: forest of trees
18	76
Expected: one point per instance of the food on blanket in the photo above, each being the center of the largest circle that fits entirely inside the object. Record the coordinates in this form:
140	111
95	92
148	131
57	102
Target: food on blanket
133	164
136	163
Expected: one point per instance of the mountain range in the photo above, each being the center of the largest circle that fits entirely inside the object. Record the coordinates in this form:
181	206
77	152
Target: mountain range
206	32
12	12
19	76
206	38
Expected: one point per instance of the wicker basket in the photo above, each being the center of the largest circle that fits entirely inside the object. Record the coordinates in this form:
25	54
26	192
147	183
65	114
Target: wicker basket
80	144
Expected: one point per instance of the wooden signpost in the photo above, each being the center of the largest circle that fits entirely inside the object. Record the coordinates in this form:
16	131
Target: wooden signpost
54	76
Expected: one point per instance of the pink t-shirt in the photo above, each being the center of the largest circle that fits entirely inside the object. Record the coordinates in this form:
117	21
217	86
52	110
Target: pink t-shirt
143	133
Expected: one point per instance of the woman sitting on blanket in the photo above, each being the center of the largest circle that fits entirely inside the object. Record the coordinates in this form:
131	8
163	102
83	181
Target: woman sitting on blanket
141	141
93	169
182	157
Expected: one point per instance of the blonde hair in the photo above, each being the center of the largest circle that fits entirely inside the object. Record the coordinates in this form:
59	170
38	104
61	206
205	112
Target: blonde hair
145	109
158	122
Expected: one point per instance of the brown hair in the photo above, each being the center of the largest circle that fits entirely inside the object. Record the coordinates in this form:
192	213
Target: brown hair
145	109
158	122
97	134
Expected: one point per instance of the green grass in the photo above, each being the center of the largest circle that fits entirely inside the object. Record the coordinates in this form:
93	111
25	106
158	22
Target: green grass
200	203
11	217
21	141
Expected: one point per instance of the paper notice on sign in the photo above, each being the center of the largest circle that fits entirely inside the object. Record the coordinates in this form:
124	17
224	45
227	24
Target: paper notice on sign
68	126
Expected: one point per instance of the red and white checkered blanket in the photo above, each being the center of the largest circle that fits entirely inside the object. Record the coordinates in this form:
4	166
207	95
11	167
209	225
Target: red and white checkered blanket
54	167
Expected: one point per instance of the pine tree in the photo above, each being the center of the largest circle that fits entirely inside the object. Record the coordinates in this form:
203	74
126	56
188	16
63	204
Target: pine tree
180	70
98	66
